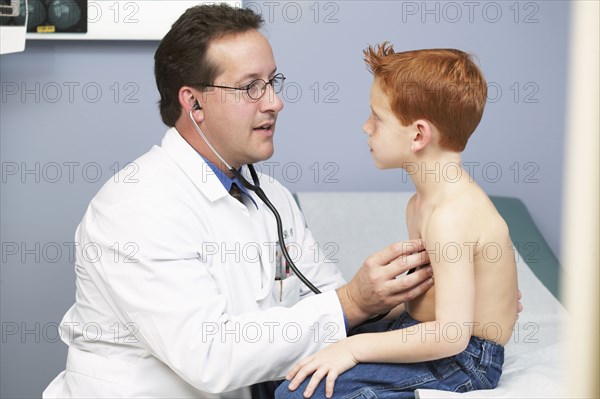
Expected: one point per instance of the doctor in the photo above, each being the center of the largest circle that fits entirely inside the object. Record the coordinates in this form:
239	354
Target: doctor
181	287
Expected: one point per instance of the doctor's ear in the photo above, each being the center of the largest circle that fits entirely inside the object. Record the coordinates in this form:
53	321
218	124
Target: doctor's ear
189	102
423	134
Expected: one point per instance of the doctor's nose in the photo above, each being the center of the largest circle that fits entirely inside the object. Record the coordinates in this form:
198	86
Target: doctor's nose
271	102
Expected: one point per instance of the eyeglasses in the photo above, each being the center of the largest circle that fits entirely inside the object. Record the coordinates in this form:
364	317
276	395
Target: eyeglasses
257	88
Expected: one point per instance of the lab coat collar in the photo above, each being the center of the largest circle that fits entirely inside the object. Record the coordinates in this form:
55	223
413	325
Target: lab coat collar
227	181
195	167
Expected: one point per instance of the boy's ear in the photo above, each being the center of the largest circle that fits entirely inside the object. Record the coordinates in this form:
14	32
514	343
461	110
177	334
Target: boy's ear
423	134
188	102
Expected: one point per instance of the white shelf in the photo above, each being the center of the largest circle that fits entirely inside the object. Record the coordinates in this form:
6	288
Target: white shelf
128	20
12	39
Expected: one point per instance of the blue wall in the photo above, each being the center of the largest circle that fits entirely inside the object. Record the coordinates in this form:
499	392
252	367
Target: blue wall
74	112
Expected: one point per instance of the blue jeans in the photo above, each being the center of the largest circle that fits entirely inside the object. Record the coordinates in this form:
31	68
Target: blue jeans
477	367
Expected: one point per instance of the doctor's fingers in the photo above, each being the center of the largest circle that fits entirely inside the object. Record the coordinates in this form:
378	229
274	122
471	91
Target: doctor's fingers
406	262
519	304
408	287
394	251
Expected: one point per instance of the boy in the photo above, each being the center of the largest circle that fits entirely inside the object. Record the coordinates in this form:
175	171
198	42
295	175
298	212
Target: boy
424	106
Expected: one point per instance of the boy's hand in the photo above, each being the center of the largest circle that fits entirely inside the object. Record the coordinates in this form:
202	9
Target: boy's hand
329	362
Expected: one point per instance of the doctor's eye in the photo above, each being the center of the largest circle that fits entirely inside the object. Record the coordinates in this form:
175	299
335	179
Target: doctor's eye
277	82
257	88
254	89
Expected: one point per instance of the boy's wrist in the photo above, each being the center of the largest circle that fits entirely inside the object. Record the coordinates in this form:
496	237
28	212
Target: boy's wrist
355	348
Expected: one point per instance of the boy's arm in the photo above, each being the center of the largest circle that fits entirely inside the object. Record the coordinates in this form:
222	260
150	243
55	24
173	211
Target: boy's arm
451	247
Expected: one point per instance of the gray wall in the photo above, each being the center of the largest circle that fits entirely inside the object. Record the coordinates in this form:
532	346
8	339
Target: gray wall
72	112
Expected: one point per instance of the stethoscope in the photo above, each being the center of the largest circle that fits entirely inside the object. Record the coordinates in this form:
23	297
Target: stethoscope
263	197
255	186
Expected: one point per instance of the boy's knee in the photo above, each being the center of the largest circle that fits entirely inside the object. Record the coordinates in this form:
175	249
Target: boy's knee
283	392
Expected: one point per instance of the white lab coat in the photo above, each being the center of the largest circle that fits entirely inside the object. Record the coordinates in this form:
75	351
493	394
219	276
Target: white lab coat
173	298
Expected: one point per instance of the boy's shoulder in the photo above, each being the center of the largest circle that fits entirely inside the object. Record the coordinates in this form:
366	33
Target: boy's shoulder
470	214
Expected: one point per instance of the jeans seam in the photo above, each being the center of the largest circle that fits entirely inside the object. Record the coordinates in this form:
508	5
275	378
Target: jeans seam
414	383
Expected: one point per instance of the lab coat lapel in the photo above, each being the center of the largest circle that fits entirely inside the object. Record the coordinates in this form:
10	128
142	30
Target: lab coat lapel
202	176
192	164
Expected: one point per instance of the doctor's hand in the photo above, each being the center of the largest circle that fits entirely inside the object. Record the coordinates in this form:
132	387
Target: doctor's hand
519	304
375	289
328	363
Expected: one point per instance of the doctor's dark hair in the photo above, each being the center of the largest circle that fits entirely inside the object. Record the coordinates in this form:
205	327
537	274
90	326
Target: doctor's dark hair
442	86
180	59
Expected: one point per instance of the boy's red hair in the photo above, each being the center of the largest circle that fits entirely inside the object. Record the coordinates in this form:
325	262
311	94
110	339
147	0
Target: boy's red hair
442	86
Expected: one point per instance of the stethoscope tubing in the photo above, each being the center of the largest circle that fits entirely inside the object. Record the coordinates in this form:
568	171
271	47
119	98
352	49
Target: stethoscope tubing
261	194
